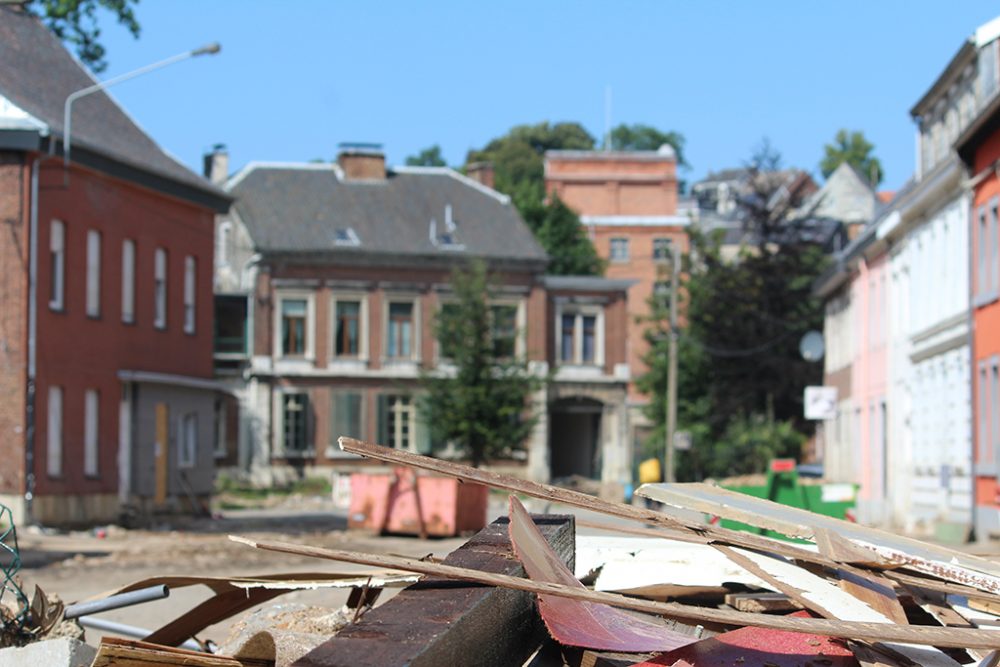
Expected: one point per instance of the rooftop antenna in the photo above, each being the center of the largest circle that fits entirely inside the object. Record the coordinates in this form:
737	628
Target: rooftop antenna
607	118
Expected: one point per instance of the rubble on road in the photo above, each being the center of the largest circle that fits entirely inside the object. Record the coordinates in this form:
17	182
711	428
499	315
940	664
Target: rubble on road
667	591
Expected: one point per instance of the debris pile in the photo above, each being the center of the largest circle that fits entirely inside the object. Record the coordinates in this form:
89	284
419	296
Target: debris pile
661	590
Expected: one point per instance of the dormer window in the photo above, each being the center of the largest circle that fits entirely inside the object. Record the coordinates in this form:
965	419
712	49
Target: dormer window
346	236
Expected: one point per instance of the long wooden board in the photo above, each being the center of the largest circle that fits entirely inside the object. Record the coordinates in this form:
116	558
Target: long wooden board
929	558
923	635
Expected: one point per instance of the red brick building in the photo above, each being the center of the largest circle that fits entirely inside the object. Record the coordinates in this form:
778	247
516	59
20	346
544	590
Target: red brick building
338	271
105	300
979	148
628	203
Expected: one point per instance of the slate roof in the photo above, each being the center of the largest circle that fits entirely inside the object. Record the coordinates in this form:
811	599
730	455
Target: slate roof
299	208
37	74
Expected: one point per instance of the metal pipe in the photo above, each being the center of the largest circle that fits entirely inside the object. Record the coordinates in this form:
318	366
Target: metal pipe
117	601
105	625
31	389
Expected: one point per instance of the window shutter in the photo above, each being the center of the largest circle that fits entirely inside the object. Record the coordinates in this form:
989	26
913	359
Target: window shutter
383	419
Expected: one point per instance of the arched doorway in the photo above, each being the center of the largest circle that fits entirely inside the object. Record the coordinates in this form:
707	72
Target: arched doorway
575	437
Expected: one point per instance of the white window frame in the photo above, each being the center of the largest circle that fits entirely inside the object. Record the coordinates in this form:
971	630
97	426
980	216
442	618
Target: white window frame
309	451
128	281
520	322
620	243
415	339
362	355
187	440
91	432
190	291
668	243
579	311
57	258
93	306
54	434
160	296
332	449
310	327
224	239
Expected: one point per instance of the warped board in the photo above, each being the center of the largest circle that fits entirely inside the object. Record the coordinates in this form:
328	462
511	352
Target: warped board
932	559
579	622
753	647
831	601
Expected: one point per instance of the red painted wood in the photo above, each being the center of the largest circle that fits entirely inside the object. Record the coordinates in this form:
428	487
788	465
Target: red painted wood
758	647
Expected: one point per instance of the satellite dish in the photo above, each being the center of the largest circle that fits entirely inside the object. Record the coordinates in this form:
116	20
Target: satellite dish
811	347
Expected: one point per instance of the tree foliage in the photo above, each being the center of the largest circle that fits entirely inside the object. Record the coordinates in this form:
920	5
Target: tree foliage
75	22
740	375
428	157
483	408
519	171
854	149
639	137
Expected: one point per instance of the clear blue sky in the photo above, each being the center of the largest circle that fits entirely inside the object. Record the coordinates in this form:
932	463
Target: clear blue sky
295	78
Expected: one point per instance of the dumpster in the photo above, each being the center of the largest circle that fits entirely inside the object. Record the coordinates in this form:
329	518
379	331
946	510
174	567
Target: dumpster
400	501
784	485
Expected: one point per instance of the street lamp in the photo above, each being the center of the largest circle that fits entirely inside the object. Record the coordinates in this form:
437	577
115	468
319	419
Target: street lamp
671	407
208	49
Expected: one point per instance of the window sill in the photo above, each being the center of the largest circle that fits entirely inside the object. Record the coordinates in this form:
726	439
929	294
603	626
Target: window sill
303	454
220	454
96	317
985	299
348	363
128	323
57	308
332	453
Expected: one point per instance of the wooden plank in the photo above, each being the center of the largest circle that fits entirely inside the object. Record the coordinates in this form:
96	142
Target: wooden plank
701	532
877	592
115	652
162	453
762	603
830	601
835	547
929	558
579	622
923	635
441	622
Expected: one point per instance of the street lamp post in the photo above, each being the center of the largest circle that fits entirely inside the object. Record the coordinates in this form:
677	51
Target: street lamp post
208	49
671	406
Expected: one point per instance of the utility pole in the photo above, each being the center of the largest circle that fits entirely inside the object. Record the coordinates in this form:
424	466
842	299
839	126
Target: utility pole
675	269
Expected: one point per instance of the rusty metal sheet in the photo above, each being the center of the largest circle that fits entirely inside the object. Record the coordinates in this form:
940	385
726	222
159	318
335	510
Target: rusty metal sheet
577	622
755	647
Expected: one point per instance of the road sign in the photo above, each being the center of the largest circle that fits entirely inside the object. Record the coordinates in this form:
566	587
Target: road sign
821	402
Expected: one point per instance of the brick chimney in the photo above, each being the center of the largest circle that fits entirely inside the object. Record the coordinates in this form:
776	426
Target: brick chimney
481	171
362	162
216	164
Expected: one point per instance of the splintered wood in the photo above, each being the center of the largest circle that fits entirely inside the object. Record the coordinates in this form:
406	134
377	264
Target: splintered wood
890	599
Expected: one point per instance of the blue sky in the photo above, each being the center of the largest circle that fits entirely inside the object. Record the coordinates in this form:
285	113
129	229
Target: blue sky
295	78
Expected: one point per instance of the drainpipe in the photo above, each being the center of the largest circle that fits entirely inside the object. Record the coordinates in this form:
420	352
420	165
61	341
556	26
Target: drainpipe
29	410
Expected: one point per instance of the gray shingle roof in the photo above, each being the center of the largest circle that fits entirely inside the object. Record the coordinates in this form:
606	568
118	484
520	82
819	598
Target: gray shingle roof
37	74
300	208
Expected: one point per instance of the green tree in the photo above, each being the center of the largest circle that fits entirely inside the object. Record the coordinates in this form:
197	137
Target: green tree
483	408
428	157
740	375
639	137
855	150
519	166
75	22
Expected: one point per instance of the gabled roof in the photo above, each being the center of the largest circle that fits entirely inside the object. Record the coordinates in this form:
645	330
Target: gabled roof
299	209
37	74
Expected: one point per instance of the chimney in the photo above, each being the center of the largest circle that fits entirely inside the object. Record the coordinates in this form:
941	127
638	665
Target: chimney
481	171
216	164
362	161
